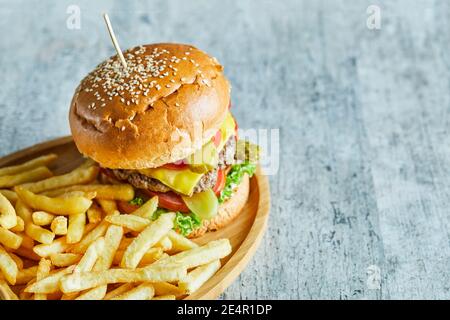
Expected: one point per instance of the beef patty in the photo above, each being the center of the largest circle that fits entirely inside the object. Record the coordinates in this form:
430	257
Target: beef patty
208	180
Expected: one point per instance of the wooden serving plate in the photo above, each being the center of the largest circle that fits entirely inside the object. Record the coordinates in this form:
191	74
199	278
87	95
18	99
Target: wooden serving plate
245	232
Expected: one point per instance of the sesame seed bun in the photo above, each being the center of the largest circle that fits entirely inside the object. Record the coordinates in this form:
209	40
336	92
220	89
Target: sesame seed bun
172	101
228	210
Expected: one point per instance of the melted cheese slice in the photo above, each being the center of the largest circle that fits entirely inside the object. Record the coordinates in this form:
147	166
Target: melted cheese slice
184	181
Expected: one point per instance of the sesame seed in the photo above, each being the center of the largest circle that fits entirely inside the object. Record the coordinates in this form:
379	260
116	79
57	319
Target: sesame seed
145	68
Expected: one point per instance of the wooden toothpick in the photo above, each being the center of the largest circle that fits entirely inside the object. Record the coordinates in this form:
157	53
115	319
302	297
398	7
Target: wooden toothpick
114	41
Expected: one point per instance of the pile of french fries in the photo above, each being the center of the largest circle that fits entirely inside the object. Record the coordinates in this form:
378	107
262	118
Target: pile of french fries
62	237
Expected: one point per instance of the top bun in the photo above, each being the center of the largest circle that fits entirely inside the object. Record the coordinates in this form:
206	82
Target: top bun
169	102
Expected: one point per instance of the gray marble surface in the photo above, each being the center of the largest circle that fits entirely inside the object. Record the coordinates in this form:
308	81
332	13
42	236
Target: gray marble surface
363	117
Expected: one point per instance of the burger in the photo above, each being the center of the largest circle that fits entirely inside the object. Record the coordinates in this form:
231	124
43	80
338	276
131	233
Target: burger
163	124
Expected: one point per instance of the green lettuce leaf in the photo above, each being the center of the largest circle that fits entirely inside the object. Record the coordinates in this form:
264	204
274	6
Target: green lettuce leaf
138	201
234	178
184	223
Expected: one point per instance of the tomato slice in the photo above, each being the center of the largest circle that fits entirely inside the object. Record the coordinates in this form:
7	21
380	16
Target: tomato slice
126	207
175	166
217	138
169	200
220	183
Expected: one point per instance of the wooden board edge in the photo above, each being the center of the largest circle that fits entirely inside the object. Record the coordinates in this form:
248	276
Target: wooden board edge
241	257
35	148
214	287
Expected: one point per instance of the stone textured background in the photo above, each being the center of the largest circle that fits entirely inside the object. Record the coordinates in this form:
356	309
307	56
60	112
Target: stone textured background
363	117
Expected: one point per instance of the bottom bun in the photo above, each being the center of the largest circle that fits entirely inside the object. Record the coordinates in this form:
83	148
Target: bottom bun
228	210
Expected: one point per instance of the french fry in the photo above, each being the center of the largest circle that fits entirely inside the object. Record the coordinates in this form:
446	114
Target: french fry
59	245
27	176
8	217
164	243
93	294
147	209
180	243
65	259
60	206
23	211
87	195
43	271
8	267
165	288
77	176
20	226
129	221
152	255
70	296
125	243
42	218
46	250
27	242
94	214
166	297
54	296
27	253
10	239
196	278
33	231
86	280
17	260
75	231
146	239
59	226
25	296
39	234
123	192
195	257
112	240
6	291
88	162
109	206
90	257
29	165
119	291
26	275
49	284
10	195
89	237
144	291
